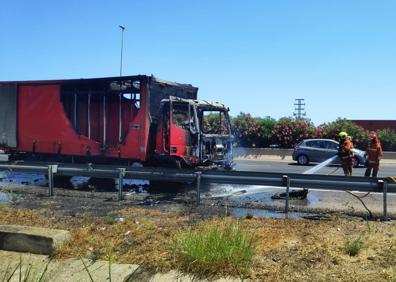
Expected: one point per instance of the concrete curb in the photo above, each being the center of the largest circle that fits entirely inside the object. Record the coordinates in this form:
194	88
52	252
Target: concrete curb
31	239
74	270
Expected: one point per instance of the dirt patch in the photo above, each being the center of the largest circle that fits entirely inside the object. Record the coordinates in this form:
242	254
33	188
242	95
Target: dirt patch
140	230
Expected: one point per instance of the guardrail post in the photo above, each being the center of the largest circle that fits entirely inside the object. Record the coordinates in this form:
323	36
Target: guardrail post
120	184
198	186
286	180
52	169
384	185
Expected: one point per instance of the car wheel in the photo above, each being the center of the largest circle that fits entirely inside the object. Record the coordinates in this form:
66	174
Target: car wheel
302	160
355	162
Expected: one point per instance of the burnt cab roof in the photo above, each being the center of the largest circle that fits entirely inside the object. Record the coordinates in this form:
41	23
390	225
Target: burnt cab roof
203	104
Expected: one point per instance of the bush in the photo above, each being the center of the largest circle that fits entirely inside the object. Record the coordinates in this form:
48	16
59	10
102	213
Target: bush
252	132
387	138
288	132
213	247
330	131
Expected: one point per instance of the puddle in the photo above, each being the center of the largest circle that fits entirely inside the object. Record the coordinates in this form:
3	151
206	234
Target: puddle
8	179
15	178
255	194
243	212
81	181
4	197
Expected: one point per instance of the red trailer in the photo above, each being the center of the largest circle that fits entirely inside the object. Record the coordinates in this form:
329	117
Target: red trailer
114	119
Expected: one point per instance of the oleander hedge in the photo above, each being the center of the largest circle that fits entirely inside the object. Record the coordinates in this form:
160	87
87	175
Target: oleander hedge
287	132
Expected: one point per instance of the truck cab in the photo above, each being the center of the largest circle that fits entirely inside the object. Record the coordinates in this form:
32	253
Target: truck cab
194	133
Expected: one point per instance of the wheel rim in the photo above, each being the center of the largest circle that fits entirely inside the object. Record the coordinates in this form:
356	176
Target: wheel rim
302	159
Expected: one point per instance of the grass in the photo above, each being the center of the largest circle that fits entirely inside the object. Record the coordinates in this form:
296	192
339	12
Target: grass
11	274
214	246
354	246
95	252
285	250
87	270
391	276
109	220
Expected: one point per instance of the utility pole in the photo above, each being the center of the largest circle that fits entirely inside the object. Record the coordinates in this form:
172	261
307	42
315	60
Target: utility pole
299	108
120	95
122	46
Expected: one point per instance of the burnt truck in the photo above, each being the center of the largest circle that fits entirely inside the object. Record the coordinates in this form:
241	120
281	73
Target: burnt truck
123	120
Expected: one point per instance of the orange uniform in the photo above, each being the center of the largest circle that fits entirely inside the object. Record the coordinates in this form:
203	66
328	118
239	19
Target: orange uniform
346	155
374	154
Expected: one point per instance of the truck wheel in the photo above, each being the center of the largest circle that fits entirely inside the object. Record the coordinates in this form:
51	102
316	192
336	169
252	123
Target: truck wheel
302	160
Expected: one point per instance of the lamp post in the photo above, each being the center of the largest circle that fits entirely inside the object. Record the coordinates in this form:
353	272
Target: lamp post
120	95
122	45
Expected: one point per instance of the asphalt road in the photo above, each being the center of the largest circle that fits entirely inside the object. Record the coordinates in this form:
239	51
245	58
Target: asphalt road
386	169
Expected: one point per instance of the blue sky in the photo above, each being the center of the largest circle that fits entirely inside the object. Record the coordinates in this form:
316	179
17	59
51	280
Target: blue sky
254	56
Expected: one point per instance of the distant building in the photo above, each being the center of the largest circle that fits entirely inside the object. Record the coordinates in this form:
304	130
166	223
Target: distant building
374	125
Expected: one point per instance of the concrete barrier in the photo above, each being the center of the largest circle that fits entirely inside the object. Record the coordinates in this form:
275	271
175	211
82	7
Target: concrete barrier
257	153
31	239
389	155
251	153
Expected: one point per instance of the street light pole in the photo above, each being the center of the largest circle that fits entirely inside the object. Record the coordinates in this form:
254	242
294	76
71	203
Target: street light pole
122	45
120	94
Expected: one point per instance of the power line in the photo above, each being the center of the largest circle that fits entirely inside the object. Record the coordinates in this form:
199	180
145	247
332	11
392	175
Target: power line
299	108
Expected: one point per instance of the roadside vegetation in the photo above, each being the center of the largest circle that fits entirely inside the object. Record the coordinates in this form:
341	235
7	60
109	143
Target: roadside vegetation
24	272
354	246
263	249
215	245
287	132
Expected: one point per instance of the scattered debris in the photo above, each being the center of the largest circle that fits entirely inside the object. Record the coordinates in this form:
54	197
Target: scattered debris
296	194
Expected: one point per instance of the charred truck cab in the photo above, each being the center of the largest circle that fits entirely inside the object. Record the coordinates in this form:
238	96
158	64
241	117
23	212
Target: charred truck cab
194	133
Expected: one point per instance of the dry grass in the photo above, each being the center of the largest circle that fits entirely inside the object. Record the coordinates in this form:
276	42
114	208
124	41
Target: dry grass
286	250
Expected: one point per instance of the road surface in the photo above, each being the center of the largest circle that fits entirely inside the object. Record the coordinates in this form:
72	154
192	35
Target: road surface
386	169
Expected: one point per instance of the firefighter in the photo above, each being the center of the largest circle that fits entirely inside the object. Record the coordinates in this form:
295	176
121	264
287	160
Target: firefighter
374	154
345	153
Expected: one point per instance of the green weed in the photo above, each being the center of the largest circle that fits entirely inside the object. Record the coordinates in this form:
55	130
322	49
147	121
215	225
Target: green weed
354	246
215	246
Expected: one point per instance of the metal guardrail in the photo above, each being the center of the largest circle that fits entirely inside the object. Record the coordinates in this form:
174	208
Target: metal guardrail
323	182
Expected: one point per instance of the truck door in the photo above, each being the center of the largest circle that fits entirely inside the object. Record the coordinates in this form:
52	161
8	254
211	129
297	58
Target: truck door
179	127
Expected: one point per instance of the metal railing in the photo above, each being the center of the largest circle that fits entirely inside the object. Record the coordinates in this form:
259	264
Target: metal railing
321	182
